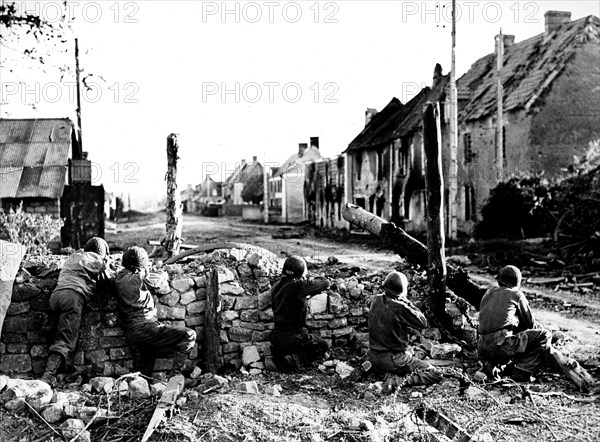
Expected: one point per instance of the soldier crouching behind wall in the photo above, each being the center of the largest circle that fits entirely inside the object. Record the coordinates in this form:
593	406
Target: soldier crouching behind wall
508	332
144	333
81	273
290	339
389	316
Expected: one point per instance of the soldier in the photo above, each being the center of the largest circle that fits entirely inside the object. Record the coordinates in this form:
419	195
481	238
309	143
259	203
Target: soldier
290	339
144	333
508	331
77	282
390	316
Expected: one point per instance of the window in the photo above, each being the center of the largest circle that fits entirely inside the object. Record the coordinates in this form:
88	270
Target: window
470	211
504	143
358	165
404	149
468	148
380	165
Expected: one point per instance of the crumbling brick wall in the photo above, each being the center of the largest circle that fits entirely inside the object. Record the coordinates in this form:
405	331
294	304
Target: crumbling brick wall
245	280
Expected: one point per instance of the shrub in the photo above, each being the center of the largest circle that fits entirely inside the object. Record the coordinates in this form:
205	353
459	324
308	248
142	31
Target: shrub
32	230
253	189
515	210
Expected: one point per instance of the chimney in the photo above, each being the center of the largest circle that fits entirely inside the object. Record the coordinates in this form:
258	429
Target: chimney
254	158
314	142
369	114
437	74
243	162
302	148
555	19
509	40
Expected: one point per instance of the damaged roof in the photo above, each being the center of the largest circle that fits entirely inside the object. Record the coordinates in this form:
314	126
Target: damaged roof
34	157
396	119
529	68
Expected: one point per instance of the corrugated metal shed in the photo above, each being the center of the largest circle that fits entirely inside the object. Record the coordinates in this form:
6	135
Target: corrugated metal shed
34	156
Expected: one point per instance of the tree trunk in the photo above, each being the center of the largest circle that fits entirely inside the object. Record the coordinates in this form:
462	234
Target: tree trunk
212	324
172	239
436	269
413	251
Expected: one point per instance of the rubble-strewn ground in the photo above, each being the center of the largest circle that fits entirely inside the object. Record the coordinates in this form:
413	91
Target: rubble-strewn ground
316	406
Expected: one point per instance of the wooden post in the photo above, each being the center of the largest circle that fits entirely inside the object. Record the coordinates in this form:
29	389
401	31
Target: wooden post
212	325
436	269
265	193
412	250
172	239
500	108
453	135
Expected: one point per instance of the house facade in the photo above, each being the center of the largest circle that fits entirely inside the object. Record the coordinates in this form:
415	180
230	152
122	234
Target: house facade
287	202
234	184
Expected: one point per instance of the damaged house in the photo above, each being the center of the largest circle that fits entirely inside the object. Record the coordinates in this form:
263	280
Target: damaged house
385	163
234	184
550	119
551	107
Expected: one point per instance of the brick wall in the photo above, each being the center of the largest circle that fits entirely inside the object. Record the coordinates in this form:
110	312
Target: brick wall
245	279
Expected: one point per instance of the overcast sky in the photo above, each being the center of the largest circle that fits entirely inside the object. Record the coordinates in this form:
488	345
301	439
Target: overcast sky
243	79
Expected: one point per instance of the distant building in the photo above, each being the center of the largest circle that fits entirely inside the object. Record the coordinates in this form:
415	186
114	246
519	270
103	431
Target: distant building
234	184
286	186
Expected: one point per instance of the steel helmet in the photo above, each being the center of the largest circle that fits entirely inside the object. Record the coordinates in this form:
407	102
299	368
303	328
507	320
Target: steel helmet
509	276
135	258
395	284
96	245
294	267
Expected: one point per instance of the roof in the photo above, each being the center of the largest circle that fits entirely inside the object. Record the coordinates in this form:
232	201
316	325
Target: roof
34	156
310	154
529	68
397	120
243	172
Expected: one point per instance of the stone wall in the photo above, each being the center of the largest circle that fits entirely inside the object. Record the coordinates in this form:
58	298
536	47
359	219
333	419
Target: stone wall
245	279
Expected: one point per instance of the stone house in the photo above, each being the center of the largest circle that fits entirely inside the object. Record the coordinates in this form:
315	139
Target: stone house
43	167
550	120
551	110
287	201
385	163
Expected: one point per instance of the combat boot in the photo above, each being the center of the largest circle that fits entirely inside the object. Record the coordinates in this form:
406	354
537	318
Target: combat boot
52	366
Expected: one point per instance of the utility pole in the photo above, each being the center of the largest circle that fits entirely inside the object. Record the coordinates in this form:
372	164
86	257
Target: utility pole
80	150
500	115
453	167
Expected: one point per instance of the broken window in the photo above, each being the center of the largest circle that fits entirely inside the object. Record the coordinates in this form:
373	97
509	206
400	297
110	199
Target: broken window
380	165
470	214
404	149
468	148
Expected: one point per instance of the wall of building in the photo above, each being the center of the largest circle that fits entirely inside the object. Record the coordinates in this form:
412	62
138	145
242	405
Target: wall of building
42	206
293	195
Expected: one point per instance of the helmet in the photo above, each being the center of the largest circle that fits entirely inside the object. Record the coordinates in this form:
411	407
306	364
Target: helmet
96	245
294	267
135	258
509	276
395	284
